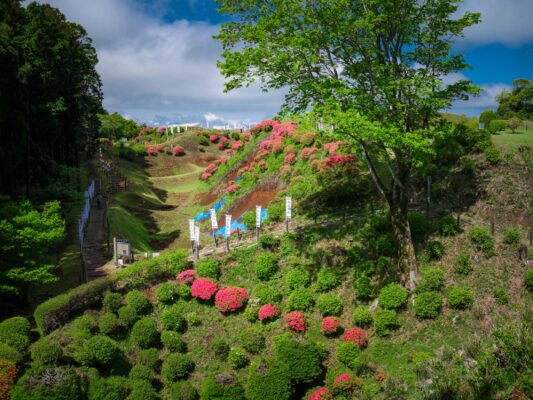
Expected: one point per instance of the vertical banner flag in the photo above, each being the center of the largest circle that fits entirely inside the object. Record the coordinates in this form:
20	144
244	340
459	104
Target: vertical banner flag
197	235
258	216
191	229
288	207
214	223
228	225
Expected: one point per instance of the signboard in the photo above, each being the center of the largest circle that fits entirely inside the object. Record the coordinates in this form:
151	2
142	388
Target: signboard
228	224
258	216
288	208
214	223
197	235
191	229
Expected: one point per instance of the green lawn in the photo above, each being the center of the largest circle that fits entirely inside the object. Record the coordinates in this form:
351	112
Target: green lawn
511	141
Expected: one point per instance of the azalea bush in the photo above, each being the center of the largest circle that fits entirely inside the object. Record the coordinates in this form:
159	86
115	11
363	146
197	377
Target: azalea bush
203	289
321	394
355	335
345	383
331	325
187	276
178	151
230	299
268	312
295	321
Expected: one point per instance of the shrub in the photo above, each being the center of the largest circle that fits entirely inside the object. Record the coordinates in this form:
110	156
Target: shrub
418	224
15	333
326	279
112	301
149	358
482	241
237	358
427	305
266	266
230	299
433	280
108	323
268	241
355	335
141	373
251	314
362	316
500	294
463	264
208	268
142	390
8	353
193	319
172	341
202	140
139	302
221	349
320	394
384	321
98	350
222	387
47	382
267	294
172	319
363	287
345	383
183	390
329	304
252	340
511	236
112	388
127	316
269	379
144	333
528	280
300	299
331	325
447	226
203	289
297	278
167	293
45	351
295	321
176	366
268	312
187	276
492	155
348	354
393	296
435	250
460	298
304	358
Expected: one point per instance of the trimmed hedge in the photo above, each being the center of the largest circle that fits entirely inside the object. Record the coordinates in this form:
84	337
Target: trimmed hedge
269	379
222	387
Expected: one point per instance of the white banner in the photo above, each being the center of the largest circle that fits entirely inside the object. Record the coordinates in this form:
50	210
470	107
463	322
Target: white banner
288	207
228	224
191	229
214	223
258	216
197	235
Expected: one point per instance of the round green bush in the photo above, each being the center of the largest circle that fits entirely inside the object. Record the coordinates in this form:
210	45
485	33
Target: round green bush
167	292
268	241
266	266
447	226
463	264
141	372
176	366
221	349
112	301
237	358
433	280
98	350
49	382
501	296
427	305
511	236
127	316
222	387
173	320
482	241
297	278
363	287
251	313
385	321
329	304
112	388
148	358
252	340
182	390
139	302
300	300
267	294
528	280
269	379
183	290
460	298
144	333
208	268
362	317
348	353
172	341
108	323
326	279
435	250
142	390
8	353
393	296
45	351
275	212
15	332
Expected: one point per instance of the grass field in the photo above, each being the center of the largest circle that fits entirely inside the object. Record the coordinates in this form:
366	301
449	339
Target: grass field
511	141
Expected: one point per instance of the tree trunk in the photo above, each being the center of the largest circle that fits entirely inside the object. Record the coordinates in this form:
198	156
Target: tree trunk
406	251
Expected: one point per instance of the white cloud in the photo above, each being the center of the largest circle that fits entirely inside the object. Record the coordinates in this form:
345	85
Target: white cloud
211	117
486	98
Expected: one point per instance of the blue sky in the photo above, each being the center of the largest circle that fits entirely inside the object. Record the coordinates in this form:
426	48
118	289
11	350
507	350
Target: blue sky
157	58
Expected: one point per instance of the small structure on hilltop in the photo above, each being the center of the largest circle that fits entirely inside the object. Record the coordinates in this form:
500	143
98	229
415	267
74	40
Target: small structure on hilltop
122	252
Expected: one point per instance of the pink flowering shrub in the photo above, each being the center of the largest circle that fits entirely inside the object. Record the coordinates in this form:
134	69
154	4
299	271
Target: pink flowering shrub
187	276
151	151
232	189
203	289
237	145
345	383
355	335
262	165
211	168
178	150
268	312
161	129
205	176
213	138
223	160
308	152
295	321
266	125
198	133
289	149
224	139
159	148
246	136
284	168
321	394
332	147
307	138
221	146
289	158
330	325
230	152
137	138
230	299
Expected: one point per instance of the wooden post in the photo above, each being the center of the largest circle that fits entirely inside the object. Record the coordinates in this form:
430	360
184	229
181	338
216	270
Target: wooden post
257	233
214	237
227	243
286	225
192	247
197	251
458	220
492	228
530	238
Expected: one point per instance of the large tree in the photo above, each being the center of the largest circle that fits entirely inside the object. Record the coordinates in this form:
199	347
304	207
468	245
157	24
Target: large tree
373	67
518	102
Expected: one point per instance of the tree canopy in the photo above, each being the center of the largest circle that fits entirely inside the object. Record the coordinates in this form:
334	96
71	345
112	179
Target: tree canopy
518	102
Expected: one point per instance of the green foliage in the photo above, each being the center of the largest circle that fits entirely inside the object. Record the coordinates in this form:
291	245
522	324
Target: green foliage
362	317
268	241
140	150
193	319
222	387
300	300
487	116
435	250
176	366
266	266
15	333
512	236
326	279
112	301
172	319
172	341
141	373
144	333
460	298
393	296
142	390
167	292
418	224
517	101
363	287
268	379
202	140
528	280
482	241
385	321
463	264
267	294
433	280
49	382
304	358
501	296
297	278
427	305
149	358
447	226
496	126
8	353
221	349
208	268
492	155
127	316
139	302
182	390
275	212
115	126
248	219
97	350
112	388
329	304
46	351
108	323
348	354
237	358
252	340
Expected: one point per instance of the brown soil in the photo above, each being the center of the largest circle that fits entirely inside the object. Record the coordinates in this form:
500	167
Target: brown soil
206	198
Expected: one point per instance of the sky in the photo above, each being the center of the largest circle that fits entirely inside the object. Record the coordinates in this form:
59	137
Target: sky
157	59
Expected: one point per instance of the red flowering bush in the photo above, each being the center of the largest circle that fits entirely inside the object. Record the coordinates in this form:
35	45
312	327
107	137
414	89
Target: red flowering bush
268	312
295	321
346	382
284	168
237	145
187	276
321	394
330	325
151	151
203	289
230	151
224	139
213	138
232	189
308	152
289	149
178	150
211	168
355	335
205	176
332	147
221	146
198	133
246	136
289	158
307	138
381	377
8	377
230	299
262	165
159	148
223	160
